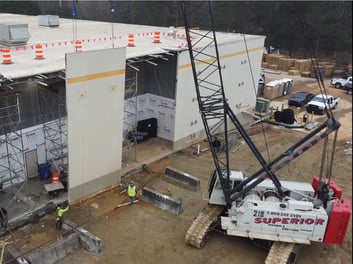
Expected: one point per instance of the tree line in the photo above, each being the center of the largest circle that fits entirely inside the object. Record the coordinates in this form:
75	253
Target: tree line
287	25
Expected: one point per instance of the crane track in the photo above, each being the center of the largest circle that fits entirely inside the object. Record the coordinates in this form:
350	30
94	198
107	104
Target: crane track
197	233
282	253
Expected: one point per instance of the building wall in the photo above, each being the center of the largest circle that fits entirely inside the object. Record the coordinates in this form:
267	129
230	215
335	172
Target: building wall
241	66
148	106
95	83
95	104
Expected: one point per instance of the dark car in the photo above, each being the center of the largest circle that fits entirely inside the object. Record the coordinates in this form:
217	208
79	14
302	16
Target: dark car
300	99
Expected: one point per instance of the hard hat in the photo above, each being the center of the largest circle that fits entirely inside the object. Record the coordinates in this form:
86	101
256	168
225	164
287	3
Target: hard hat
131	183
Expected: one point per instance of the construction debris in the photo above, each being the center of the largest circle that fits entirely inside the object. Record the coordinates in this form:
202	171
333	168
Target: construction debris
3	244
123	204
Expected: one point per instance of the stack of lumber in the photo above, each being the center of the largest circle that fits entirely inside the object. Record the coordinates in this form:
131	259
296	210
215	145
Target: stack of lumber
273	60
293	72
285	64
328	68
264	64
314	71
302	65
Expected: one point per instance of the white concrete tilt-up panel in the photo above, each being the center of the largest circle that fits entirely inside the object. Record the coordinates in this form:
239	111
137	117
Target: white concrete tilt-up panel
240	65
95	83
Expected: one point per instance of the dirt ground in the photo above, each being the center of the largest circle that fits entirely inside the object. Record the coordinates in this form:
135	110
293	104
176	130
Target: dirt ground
143	233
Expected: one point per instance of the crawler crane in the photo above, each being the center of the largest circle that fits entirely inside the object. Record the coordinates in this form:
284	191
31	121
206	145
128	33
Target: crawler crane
285	214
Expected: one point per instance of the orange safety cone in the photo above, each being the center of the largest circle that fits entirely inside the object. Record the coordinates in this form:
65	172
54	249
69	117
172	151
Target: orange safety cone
38	52
157	37
78	45
6	56
130	40
55	177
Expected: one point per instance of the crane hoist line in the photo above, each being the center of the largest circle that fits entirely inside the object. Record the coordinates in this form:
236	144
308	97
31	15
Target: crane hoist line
284	214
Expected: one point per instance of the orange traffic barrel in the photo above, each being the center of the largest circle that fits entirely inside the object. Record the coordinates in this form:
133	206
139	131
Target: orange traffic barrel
190	39
38	52
6	56
130	40
157	37
78	46
55	177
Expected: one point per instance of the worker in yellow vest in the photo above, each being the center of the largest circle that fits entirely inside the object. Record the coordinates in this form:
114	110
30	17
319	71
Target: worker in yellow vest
131	192
60	210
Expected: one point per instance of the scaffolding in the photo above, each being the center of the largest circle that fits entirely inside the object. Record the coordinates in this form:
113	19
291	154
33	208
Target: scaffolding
12	163
54	121
130	116
49	110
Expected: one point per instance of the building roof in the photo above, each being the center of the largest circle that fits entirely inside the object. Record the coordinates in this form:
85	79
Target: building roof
58	40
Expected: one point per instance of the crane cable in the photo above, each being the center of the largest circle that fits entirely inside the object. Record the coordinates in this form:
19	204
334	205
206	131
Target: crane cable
314	60
323	92
254	89
319	79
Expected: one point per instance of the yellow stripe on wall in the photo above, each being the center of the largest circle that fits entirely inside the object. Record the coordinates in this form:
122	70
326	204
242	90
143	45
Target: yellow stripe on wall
95	76
222	57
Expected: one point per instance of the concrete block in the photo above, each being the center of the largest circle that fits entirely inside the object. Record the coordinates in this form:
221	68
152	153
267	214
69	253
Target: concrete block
182	177
56	251
13	256
162	201
69	225
88	241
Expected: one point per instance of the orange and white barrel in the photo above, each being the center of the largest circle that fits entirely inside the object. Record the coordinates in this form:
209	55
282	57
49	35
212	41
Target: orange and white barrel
55	177
78	45
6	56
130	40
38	50
157	37
190	39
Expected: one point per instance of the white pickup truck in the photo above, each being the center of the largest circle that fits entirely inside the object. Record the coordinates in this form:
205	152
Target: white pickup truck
340	83
320	103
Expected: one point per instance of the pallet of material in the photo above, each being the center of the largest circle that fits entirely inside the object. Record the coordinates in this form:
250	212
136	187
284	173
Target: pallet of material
329	70
264	65
315	70
305	74
285	64
274	58
270	92
293	72
278	88
302	65
273	66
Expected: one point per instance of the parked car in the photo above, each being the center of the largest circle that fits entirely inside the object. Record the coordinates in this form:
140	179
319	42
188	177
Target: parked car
300	99
340	83
321	102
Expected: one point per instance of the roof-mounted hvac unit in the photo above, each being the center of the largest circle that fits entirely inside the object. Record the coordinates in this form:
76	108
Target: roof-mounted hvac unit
48	20
13	33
